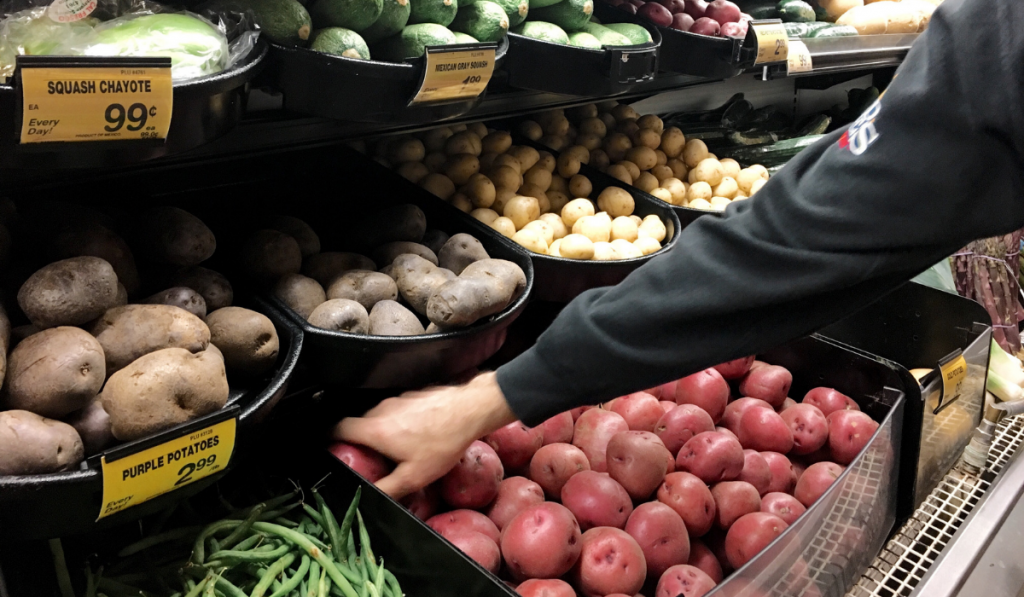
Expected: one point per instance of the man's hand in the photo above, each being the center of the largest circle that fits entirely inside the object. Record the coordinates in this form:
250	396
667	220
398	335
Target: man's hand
427	431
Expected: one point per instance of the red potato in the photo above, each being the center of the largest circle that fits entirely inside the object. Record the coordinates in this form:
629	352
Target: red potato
783	475
682	21
706	389
750	534
848	432
424	503
610	562
666	405
737	368
798	471
701	557
736	409
673	6
734	499
545	587
557	429
464	520
822	454
727	431
696	8
655	13
542	541
763	429
783	505
734	29
473	482
661	534
666	391
712	456
829	401
678	425
554	464
638	461
706	26
365	461
515	494
787	404
691	499
478	547
515	444
640	410
596	500
724	12
579	410
808	425
715	540
770	383
815	481
684	580
756	471
594	429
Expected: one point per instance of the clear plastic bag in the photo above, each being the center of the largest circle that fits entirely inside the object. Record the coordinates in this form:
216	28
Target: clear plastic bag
197	46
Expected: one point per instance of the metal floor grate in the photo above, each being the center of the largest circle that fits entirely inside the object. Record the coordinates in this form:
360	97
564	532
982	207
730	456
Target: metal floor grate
912	550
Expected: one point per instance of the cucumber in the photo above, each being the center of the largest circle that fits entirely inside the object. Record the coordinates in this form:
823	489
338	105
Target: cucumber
462	38
570	15
438	12
484	20
356	15
771	154
636	34
820	14
795	11
412	42
835	31
750	138
582	39
283	21
515	9
606	36
764	12
392	19
543	31
815	126
340	42
796	29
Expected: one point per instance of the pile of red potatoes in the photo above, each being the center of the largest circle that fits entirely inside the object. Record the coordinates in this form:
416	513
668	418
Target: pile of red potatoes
667	490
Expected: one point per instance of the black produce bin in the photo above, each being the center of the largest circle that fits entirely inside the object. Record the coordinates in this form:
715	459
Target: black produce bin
359	360
916	326
689	53
204	109
361	90
60	504
545	66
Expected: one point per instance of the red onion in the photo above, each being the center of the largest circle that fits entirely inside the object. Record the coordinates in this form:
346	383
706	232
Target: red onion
706	26
723	11
655	13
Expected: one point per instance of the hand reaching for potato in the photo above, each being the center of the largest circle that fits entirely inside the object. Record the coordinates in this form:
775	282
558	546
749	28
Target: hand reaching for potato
426	432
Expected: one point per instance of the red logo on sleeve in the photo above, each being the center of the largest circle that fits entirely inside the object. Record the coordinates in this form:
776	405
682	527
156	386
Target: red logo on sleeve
862	133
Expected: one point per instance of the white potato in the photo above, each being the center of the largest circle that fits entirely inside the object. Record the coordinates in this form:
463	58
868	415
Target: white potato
727	188
576	209
522	210
719	203
558	229
543	229
647	245
616	201
484	215
709	170
576	246
625	249
595	228
504	226
653	227
624	228
532	240
694	152
699	190
604	252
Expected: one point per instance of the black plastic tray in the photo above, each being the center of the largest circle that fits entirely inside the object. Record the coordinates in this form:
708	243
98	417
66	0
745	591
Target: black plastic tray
204	109
690	53
357	360
59	504
361	90
914	327
545	66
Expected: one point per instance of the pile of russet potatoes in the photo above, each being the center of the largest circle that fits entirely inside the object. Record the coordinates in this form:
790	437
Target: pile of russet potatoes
640	151
411	272
665	491
540	202
112	349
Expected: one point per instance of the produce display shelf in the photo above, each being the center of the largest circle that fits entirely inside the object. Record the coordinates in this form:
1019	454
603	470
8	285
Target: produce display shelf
845	54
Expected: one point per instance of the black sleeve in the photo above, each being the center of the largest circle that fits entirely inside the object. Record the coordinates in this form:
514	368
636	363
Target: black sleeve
936	164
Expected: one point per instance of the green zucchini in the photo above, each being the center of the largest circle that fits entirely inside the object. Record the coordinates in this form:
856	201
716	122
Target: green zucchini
771	154
835	31
751	138
795	11
797	29
737	113
764	12
815	126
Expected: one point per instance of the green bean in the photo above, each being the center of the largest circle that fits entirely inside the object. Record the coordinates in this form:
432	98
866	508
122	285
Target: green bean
281	520
90	583
322	587
373	590
211	589
379	581
311	511
196	589
158	539
361	585
351	544
364	542
272	514
315	552
267	505
396	589
346	523
271	574
228	588
333	532
255	555
289	585
240	532
314	576
61	567
249	543
119	588
199	548
302	585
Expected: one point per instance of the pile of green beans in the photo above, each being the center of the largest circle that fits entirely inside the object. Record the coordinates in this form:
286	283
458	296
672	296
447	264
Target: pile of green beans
282	547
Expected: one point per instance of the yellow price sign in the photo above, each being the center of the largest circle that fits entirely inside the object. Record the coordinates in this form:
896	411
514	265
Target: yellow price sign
455	73
85	99
799	60
141	476
954	372
772	42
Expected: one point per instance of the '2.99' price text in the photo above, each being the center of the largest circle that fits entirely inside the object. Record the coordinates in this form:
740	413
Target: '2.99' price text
186	472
